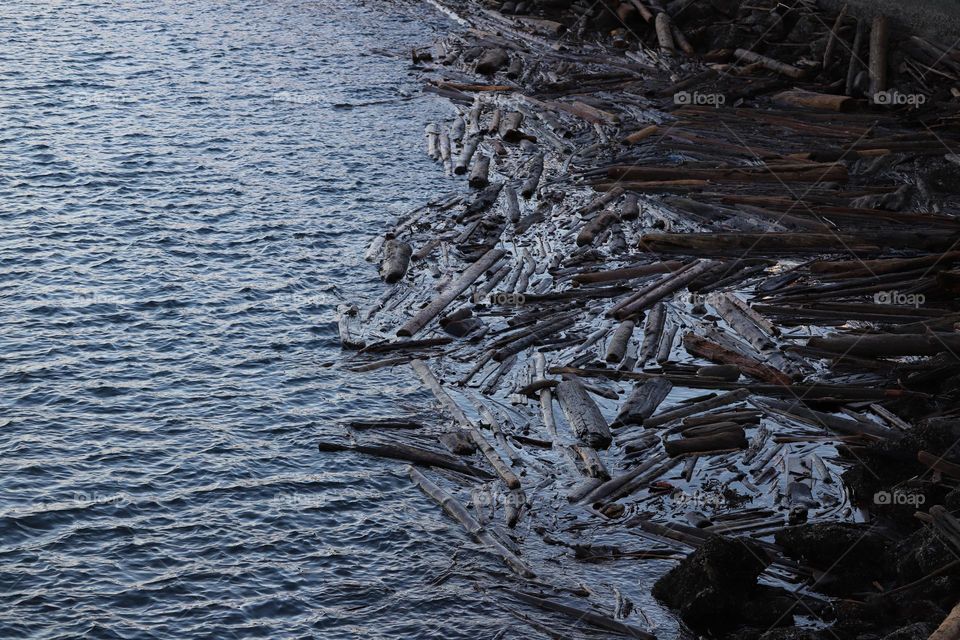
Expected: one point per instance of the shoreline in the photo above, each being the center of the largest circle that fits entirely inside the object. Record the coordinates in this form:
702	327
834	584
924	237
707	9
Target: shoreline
696	319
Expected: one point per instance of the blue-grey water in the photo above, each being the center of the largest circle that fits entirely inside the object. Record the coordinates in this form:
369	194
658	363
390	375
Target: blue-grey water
184	199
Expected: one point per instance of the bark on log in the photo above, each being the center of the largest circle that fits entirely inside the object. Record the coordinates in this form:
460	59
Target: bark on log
735	439
408	453
396	260
708	350
769	63
856	63
457	511
813	100
618	342
949	629
510	127
463	160
832	39
583	415
512	204
879	39
628	273
449	294
888	345
643	401
665	33
532	180
583	615
654	293
595	227
652	331
695	408
479	174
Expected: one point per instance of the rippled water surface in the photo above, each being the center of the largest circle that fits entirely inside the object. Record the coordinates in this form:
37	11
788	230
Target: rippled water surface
185	196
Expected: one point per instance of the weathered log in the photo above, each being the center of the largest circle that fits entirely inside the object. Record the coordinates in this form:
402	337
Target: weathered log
666	343
618	342
450	293
652	294
888	345
714	352
769	63
385	346
664	32
832	38
583	615
396	259
856	63
535	335
741	323
695	408
512	204
879	40
777	173
457	511
641	135
642	402
446	155
949	629
604	490
596	226
532	180
510	127
845	426
730	372
463	160
582	415
734	439
937	463
407	453
479	174
592	464
627	273
347	341
797	98
652	331
433	141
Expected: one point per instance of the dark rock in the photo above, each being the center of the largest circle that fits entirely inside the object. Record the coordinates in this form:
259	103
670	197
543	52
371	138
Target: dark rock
793	633
916	631
849	553
715	588
458	443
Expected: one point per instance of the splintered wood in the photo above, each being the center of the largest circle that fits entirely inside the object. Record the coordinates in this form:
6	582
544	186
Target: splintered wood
681	294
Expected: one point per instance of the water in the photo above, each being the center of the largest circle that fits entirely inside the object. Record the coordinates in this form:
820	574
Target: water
184	200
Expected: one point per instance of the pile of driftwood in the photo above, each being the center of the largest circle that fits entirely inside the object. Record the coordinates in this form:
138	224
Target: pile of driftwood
700	301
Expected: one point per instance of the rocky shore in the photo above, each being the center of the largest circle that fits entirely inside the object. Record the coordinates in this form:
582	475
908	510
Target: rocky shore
698	313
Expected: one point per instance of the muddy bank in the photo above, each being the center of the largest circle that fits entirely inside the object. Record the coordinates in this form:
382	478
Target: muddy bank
696	318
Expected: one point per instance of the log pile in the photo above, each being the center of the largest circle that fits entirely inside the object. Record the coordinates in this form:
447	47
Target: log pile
699	286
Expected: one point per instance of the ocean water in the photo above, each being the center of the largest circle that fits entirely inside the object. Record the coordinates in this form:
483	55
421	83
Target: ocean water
186	192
